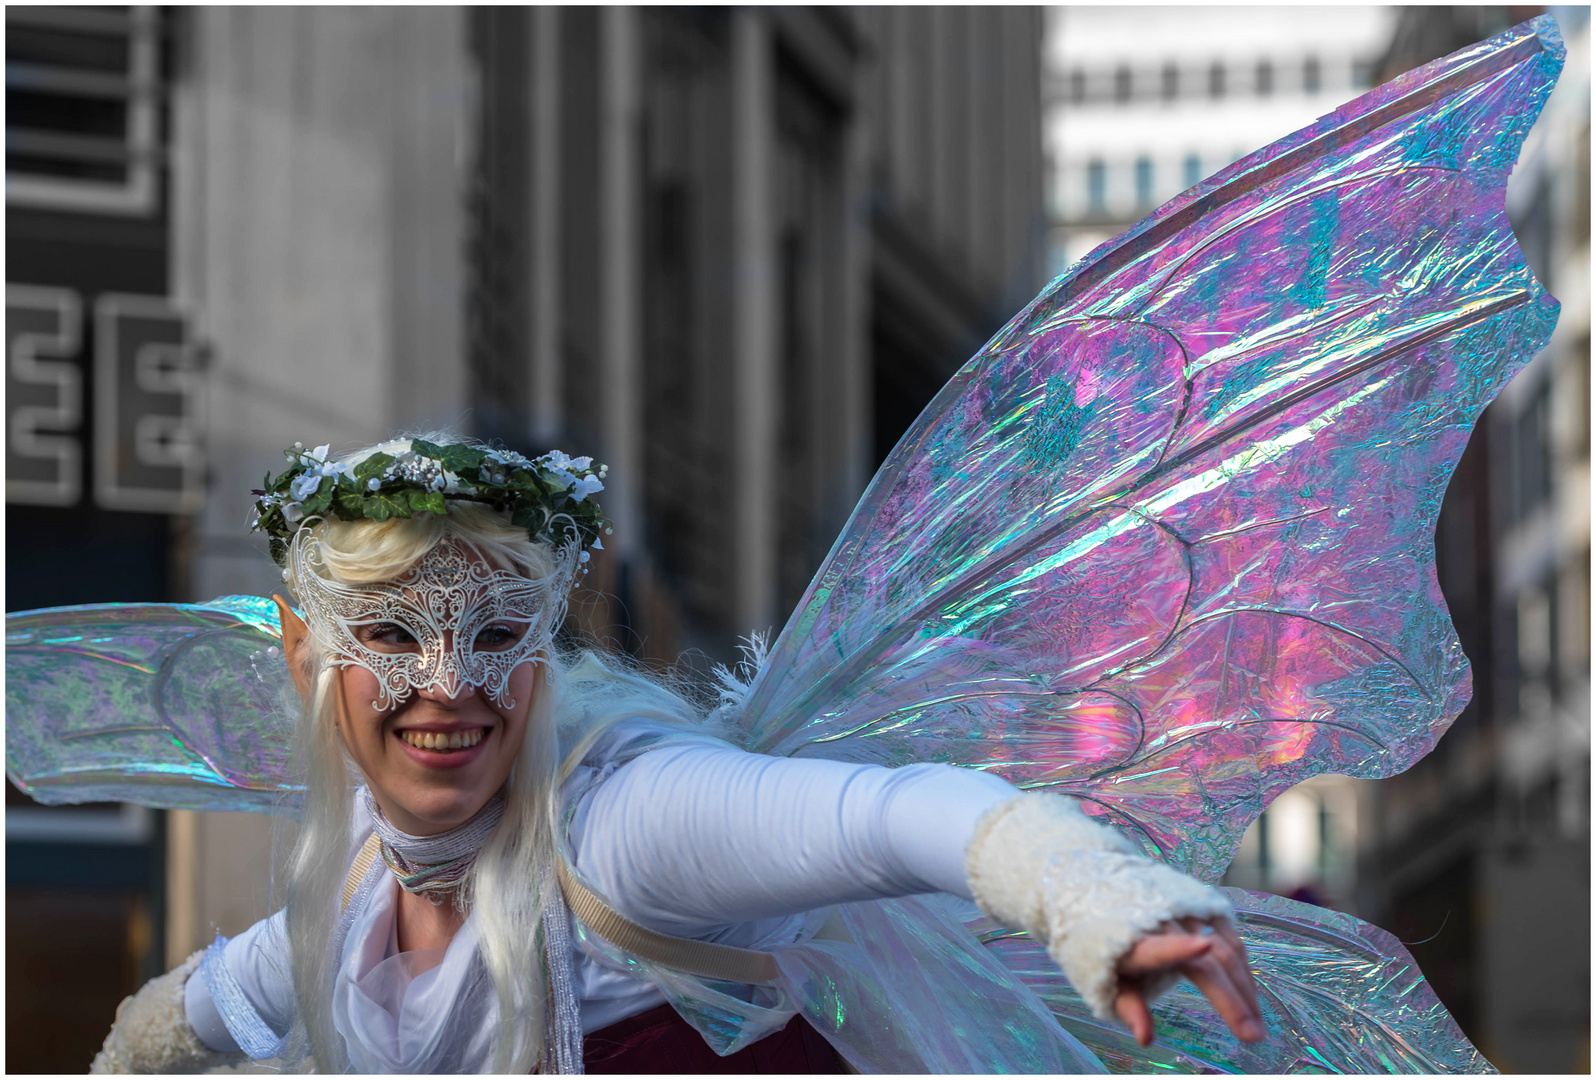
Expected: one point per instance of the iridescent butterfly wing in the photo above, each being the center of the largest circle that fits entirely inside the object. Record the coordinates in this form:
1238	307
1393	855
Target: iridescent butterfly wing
1166	542
178	706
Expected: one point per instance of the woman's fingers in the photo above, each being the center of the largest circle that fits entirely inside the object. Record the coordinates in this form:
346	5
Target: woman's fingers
1158	951
1228	935
1213	957
1132	1009
1238	1008
1229	951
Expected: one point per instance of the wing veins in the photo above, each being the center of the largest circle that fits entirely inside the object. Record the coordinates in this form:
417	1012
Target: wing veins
1260	525
1382	650
1256	721
1263	213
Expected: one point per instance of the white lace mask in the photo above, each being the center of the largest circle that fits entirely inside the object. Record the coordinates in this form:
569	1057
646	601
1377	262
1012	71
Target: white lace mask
473	625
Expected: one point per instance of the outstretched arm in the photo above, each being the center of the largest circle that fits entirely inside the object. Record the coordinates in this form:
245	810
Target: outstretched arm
689	839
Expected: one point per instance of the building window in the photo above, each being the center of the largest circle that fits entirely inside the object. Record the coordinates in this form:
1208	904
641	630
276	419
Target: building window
1194	170
1169	82
1264	78
1096	185
1311	75
1122	84
1532	455
1216	79
83	92
1144	181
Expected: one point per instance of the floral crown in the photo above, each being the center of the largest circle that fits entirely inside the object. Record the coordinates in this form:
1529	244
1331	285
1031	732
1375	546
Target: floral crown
550	497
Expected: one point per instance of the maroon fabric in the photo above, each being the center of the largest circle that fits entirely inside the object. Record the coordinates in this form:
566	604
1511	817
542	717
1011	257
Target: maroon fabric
660	1041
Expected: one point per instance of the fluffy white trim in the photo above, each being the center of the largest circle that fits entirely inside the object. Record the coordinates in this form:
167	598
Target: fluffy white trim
1039	864
151	1033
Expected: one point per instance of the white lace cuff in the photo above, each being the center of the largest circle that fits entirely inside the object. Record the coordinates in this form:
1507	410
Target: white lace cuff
1039	864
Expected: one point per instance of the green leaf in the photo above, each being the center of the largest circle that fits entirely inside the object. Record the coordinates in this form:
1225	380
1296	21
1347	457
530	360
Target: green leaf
528	517
350	504
373	466
428	500
426	449
382	505
461	459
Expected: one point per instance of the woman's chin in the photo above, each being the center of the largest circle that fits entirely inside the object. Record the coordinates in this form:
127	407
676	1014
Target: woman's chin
440	813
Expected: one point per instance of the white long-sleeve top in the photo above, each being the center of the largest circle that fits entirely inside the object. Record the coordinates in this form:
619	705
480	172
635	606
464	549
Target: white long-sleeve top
695	839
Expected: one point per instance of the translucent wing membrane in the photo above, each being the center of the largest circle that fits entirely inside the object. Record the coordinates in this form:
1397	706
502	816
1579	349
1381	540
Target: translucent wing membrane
1338	996
179	706
1166	543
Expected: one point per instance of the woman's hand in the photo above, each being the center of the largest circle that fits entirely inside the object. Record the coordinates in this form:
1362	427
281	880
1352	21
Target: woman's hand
1211	956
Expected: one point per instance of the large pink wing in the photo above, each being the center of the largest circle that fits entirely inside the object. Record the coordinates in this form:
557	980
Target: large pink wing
1166	543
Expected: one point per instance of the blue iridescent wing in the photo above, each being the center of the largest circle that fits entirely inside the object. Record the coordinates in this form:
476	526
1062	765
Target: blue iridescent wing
1166	542
176	706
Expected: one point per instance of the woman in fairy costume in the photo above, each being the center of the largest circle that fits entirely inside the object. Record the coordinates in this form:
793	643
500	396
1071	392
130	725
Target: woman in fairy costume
1165	545
427	929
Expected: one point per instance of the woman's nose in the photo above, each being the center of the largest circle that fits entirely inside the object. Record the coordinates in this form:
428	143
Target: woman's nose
448	689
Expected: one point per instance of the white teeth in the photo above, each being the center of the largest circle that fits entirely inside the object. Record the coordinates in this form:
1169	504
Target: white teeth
454	740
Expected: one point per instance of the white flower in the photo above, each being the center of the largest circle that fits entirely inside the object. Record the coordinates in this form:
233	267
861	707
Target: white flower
293	512
509	458
557	461
598	545
587	485
304	486
320	453
581	463
336	468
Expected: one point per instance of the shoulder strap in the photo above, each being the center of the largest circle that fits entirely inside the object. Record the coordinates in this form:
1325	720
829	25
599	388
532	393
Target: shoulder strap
704	958
357	871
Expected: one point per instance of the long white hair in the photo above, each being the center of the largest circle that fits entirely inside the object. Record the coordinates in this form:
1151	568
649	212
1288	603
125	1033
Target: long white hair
512	880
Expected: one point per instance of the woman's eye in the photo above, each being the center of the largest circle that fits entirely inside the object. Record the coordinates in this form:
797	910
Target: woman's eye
391	635
497	637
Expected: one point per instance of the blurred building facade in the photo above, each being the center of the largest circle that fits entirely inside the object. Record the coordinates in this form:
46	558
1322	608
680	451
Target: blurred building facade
730	252
1479	855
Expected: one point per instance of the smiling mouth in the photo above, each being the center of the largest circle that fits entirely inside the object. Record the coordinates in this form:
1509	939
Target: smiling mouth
443	742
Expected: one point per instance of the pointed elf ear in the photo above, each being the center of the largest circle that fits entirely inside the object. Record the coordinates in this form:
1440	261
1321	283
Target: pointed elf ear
296	645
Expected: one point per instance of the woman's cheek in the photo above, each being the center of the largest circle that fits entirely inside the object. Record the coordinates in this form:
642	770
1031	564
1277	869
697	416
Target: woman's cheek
359	725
